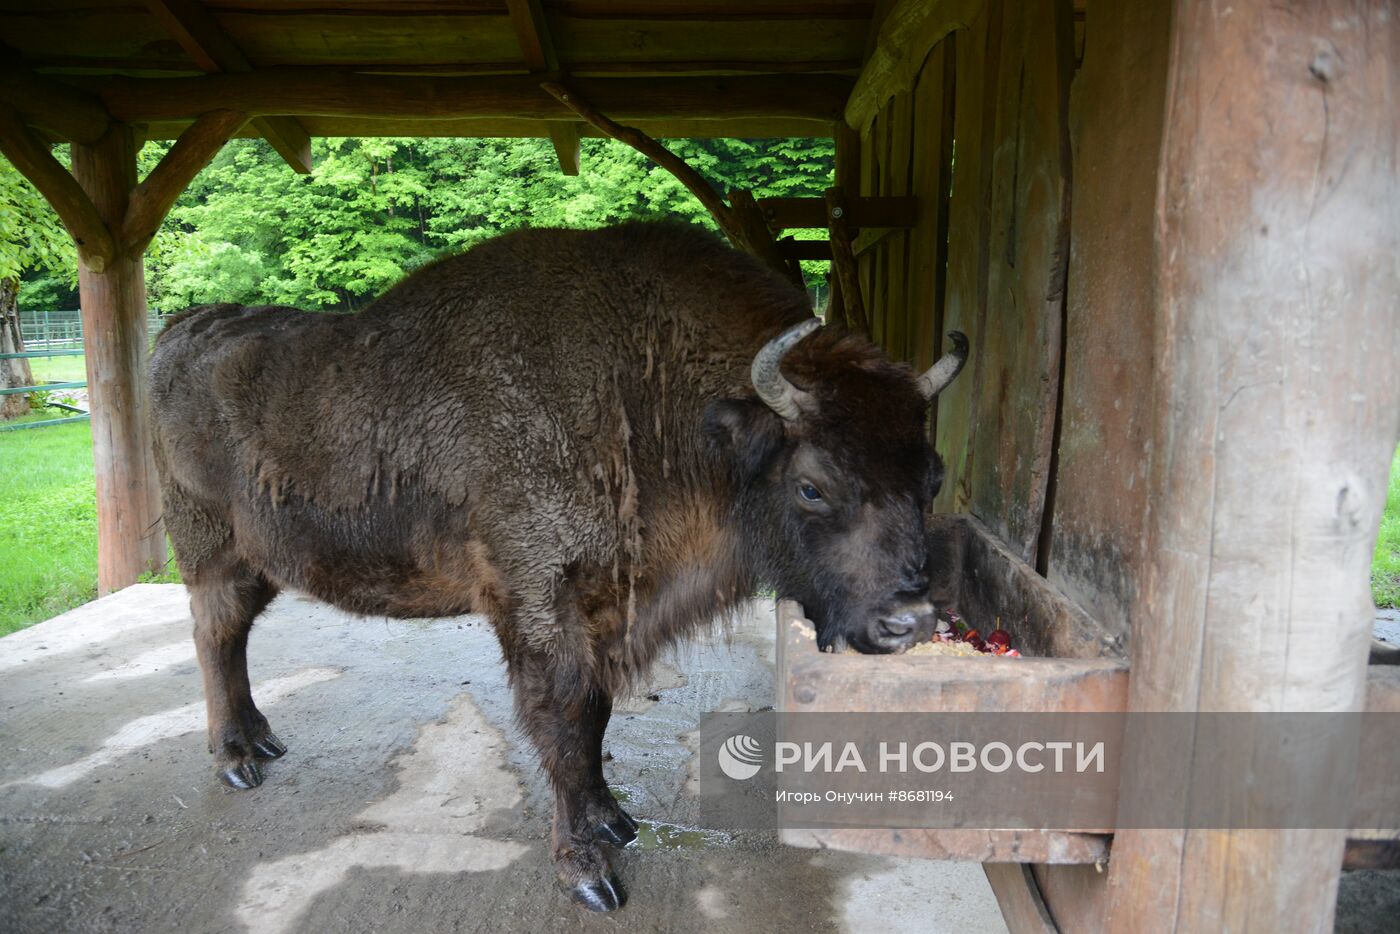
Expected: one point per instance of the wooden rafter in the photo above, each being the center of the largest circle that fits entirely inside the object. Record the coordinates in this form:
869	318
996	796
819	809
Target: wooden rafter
96	245
337	92
152	199
205	41
537	48
740	218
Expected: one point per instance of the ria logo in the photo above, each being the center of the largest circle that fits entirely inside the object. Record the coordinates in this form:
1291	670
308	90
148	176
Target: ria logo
740	757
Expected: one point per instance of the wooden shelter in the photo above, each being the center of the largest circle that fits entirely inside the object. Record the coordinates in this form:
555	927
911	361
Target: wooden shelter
1170	230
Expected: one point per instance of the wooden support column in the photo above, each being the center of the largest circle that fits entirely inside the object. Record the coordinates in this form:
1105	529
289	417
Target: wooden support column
111	220
1277	370
130	534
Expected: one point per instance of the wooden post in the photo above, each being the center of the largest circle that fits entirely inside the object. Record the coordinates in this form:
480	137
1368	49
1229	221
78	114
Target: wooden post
130	535
846	176
111	220
843	261
1277	370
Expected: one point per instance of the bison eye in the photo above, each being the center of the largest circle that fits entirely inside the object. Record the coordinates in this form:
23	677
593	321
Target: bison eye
810	493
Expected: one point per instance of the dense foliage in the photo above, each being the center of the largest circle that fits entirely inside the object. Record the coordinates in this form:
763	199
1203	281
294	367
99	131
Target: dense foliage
33	244
250	230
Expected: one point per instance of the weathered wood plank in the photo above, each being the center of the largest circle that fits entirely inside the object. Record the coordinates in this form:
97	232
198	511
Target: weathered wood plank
932	178
533	34
385	38
565	139
843	261
896	246
978	846
846	176
978	60
1019	897
907	34
1101	496
1277	365
869	187
599	41
341	93
130	534
875	261
860	212
741	127
1028	246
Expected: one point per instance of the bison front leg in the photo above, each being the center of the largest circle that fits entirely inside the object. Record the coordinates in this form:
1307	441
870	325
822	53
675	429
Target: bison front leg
565	718
609	821
225	598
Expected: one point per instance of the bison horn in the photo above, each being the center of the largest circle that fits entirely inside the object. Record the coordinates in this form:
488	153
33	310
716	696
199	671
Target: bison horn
948	366
773	388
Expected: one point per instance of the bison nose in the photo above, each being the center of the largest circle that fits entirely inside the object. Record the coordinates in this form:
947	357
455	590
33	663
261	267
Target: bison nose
895	627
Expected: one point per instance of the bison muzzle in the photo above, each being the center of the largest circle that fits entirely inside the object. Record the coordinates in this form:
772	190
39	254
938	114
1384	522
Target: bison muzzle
600	440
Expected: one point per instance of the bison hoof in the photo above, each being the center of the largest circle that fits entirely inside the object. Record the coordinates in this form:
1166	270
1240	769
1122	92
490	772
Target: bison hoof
602	894
242	776
619	831
269	747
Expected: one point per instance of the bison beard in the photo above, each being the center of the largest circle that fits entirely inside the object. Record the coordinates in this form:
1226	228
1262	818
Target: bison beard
601	440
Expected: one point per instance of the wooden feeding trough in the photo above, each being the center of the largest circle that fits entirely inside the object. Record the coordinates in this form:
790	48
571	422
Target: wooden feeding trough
1166	227
1070	665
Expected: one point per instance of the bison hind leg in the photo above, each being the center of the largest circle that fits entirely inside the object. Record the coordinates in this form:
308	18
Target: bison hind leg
226	596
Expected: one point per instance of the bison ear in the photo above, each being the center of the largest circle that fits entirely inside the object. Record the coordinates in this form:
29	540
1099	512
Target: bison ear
746	432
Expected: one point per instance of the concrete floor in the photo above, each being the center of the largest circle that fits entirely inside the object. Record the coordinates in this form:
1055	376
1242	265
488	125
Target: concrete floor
407	802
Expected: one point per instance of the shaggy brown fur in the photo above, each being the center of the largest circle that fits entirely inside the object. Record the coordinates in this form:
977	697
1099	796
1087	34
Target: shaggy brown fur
555	429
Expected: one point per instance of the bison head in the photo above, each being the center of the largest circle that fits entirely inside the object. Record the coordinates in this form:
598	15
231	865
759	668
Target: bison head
834	476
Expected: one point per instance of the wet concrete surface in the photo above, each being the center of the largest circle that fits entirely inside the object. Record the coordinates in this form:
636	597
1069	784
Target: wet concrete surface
407	802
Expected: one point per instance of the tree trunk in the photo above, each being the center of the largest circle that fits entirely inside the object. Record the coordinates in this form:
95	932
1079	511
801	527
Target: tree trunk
12	372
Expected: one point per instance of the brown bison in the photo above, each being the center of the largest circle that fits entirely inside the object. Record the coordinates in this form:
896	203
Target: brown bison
583	435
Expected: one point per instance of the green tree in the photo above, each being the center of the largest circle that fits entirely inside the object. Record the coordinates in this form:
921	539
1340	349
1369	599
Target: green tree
249	230
31	238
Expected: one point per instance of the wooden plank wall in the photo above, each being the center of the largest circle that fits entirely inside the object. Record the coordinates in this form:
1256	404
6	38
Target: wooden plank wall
988	119
1044	435
1117	109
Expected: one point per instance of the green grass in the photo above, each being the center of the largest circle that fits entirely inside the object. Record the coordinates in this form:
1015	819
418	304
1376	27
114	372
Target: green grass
58	369
1385	567
48	522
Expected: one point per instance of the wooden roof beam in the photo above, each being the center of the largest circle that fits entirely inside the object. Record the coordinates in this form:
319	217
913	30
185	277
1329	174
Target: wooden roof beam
537	47
205	41
66	112
341	93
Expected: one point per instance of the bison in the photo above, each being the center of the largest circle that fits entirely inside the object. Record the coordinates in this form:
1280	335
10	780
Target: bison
601	440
